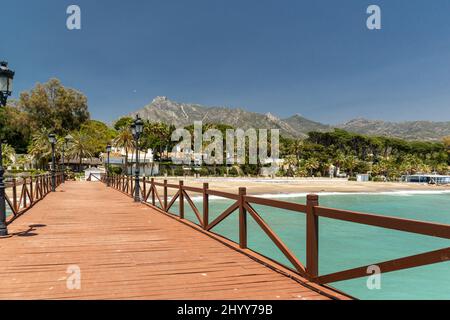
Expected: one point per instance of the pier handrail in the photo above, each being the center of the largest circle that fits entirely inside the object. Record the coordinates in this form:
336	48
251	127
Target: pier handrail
313	211
25	192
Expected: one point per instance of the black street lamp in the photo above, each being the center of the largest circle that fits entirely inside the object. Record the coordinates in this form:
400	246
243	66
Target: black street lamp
108	151
6	81
136	129
52	140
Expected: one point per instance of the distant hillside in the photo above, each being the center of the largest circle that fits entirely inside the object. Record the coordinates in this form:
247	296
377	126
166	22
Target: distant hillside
409	130
303	125
183	114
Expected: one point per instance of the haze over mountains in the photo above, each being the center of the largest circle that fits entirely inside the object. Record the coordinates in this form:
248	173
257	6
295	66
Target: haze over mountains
183	114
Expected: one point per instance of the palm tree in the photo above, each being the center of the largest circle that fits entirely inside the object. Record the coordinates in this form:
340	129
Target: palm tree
9	154
125	140
411	163
339	159
446	142
40	148
351	162
312	164
21	162
291	161
163	133
296	148
81	147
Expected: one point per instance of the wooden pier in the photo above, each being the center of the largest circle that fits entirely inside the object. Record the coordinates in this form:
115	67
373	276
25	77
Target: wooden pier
127	250
93	235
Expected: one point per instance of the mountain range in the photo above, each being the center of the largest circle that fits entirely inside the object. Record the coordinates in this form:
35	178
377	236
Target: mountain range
164	110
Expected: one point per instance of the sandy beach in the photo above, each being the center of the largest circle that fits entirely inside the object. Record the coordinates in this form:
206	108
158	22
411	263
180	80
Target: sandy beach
261	186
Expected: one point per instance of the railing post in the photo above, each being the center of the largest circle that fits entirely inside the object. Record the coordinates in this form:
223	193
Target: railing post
38	187
242	219
205	205
47	184
31	190
165	195
152	185
41	187
24	192
131	186
312	236
14	194
181	197
144	189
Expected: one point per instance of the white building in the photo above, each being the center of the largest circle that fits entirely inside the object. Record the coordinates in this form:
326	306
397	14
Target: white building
147	164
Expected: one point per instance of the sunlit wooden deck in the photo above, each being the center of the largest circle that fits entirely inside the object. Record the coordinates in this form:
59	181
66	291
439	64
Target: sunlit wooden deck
126	251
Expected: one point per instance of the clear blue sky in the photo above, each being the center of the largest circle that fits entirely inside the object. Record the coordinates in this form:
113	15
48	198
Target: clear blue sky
315	58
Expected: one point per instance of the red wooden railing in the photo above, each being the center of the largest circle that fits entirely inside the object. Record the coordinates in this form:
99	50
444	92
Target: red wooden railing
243	203
23	193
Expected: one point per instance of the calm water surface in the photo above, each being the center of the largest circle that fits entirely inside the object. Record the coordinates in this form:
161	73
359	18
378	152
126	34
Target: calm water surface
346	245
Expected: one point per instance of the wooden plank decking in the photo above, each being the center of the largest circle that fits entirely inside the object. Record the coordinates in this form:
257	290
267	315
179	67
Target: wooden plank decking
126	251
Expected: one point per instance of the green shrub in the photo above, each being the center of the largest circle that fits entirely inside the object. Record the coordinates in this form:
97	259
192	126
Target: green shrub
163	171
233	172
281	173
179	172
204	172
115	170
379	179
222	171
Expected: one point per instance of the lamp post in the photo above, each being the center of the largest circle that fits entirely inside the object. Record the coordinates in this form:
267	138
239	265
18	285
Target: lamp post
136	128
108	151
67	139
6	81
52	140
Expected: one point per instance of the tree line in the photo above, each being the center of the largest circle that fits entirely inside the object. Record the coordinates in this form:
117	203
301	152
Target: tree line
53	108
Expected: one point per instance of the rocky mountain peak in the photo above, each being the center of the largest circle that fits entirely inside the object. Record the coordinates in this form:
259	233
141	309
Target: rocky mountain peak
160	99
184	114
271	117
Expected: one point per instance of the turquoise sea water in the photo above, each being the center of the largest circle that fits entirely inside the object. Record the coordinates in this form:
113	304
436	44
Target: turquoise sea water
346	245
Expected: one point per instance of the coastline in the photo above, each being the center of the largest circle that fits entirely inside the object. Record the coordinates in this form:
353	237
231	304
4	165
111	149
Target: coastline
301	186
